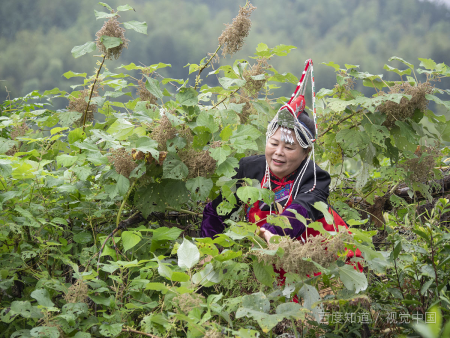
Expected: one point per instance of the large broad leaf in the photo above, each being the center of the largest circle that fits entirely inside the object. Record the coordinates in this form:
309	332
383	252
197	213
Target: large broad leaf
43	297
199	187
83	238
206	119
188	255
227	168
150	198
176	194
110	41
140	27
310	295
352	279
78	51
256	301
153	87
174	168
207	277
248	195
264	273
112	330
323	208
166	234
187	97
44	331
130	239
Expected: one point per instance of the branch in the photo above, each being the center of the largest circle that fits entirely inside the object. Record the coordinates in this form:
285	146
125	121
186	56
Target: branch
204	66
338	123
92	90
139	332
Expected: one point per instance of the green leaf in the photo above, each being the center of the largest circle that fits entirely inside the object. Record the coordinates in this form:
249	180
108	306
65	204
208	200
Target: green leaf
78	51
199	187
396	58
220	154
123	184
103	15
227	167
105	5
248	195
164	233
121	129
43	297
227	82
397	249
140	27
67	119
264	273
188	255
256	301
292	310
65	160
147	145
323	208
111	330
44	332
395	70
71	74
206	119
352	279
110	41
427	63
83	238
332	64
153	87
179	277
187	97
311	296
246	333
124	8
130	239
174	168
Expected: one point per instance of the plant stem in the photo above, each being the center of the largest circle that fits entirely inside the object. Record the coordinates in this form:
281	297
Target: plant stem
139	332
123	203
226	97
204	66
185	211
338	123
92	91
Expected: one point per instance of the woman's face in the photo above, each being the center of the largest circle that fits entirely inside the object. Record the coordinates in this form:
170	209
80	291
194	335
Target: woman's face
283	158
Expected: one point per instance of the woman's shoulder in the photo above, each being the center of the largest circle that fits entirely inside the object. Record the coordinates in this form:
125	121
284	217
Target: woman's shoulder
252	166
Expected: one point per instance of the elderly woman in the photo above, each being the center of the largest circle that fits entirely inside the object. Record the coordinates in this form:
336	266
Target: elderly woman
286	169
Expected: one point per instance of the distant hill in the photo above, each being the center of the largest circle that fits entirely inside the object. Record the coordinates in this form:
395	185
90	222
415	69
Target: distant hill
38	35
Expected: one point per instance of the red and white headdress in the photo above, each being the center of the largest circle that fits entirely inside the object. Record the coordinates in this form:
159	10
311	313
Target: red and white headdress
294	121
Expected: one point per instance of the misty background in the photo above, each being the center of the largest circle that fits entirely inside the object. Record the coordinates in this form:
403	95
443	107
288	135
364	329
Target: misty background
37	36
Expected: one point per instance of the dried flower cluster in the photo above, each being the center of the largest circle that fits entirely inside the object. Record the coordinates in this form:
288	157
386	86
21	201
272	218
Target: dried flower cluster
314	248
247	109
199	163
163	131
17	131
420	169
252	86
79	104
187	302
405	109
77	293
213	334
111	28
144	94
122	160
232	38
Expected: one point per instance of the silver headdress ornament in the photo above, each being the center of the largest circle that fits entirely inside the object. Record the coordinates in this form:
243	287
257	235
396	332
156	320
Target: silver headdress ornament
295	123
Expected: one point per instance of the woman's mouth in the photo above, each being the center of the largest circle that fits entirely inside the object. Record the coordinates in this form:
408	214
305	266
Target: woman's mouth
277	162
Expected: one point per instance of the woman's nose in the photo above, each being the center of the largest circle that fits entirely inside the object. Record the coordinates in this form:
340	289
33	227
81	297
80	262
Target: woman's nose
279	150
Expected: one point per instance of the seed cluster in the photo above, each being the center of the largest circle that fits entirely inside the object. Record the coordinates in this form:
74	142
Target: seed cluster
111	28
187	302
17	131
199	163
79	104
162	131
213	334
77	293
405	109
252	86
323	252
122	160
232	38
420	169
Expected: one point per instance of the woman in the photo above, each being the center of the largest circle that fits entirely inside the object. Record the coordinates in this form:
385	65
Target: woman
287	170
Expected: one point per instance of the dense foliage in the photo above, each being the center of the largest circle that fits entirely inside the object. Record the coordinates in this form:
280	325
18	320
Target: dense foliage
101	202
